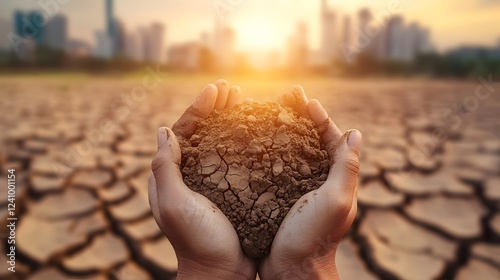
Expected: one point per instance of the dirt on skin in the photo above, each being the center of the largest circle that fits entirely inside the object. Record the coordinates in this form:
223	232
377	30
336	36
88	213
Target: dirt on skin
254	162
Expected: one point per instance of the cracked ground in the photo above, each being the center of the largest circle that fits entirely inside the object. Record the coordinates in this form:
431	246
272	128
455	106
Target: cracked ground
429	193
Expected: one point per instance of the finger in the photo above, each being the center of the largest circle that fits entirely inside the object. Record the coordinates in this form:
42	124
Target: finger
329	132
165	167
343	176
248	100
152	195
296	99
199	109
223	92
234	97
354	207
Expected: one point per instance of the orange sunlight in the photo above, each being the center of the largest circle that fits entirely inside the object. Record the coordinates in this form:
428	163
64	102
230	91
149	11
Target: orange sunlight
259	33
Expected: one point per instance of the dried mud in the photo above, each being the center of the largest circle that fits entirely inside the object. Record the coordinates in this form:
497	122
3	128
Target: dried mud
254	162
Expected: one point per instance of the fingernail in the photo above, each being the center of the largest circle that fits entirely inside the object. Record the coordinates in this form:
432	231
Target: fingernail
202	92
162	136
235	89
222	81
354	139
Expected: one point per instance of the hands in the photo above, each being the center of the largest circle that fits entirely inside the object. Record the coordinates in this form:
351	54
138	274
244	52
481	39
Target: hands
206	243
306	243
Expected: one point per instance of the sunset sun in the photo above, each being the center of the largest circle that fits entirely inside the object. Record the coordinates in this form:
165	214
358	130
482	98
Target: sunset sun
258	34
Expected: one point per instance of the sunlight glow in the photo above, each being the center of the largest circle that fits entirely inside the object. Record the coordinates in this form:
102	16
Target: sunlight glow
258	33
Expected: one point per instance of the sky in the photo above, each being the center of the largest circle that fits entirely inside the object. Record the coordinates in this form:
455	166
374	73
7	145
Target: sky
266	24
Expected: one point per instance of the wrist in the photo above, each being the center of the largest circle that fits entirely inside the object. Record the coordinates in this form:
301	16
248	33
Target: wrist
308	268
192	270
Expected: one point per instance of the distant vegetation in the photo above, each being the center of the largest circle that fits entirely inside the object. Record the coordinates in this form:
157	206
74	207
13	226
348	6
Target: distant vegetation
431	65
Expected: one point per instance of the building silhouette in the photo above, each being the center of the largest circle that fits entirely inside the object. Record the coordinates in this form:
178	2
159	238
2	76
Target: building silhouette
145	43
110	22
329	46
30	26
155	42
56	32
119	38
404	42
346	31
366	36
5	29
104	46
223	42
111	42
186	56
298	49
395	38
133	46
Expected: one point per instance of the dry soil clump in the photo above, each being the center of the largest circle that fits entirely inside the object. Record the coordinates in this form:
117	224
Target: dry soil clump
254	162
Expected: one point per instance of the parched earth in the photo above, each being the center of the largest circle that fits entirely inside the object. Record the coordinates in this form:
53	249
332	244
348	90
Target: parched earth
254	161
429	193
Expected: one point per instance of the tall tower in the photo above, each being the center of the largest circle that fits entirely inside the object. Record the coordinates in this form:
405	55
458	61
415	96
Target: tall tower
365	40
395	38
109	18
56	35
346	30
328	44
223	44
156	33
111	26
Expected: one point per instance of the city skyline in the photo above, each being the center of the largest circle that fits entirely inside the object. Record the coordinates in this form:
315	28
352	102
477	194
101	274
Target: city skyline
468	24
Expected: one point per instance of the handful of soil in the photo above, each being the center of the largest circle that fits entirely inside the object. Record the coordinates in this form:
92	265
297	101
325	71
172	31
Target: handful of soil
254	162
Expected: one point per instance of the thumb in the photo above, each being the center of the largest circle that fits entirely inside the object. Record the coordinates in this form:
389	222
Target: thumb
166	164
343	174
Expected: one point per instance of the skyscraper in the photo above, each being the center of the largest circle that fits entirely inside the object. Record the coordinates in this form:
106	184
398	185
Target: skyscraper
223	45
104	46
366	40
133	46
119	37
379	44
410	43
156	36
5	29
328	41
110	25
298	49
143	35
395	38
423	41
111	28
56	34
346	30
345	42
30	26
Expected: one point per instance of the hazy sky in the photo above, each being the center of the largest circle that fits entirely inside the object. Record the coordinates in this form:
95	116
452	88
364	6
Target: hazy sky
267	23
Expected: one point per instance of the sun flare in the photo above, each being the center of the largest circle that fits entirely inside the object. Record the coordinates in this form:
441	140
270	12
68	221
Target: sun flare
258	34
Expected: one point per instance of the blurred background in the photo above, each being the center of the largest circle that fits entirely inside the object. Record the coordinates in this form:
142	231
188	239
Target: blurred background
85	84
